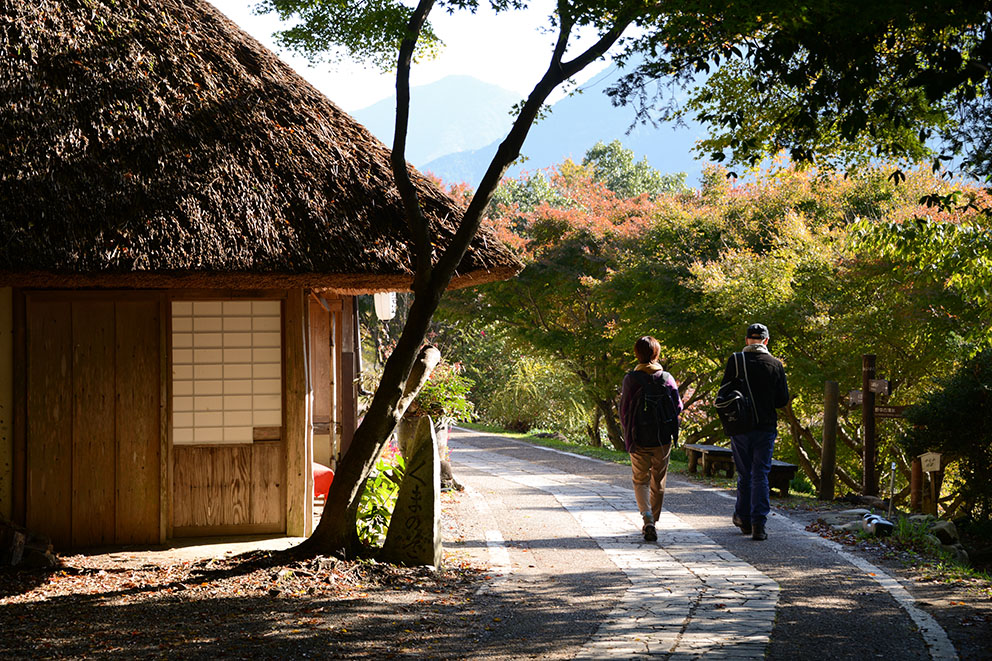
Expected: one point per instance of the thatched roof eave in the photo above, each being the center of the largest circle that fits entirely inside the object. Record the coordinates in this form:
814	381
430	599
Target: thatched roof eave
351	284
147	143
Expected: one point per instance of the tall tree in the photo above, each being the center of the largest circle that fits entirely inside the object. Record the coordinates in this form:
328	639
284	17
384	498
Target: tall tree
388	31
838	80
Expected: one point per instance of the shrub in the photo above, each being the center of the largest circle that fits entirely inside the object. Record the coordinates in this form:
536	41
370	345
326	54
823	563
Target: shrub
539	395
956	420
445	396
379	497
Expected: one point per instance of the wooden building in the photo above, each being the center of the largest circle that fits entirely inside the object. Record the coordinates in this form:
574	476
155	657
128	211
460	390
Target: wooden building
184	226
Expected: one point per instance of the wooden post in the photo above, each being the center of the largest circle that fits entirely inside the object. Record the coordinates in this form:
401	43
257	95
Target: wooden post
936	480
18	496
6	401
869	483
299	476
916	486
349	371
831	395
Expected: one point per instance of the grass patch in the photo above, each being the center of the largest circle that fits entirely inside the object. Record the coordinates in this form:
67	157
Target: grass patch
677	463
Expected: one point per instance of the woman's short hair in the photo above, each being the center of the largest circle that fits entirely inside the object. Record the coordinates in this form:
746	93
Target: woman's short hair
647	349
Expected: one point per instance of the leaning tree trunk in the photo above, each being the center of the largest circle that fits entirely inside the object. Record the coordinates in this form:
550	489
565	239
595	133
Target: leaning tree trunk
607	408
431	278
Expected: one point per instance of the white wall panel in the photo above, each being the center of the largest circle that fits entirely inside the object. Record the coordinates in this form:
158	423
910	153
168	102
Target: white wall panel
227	370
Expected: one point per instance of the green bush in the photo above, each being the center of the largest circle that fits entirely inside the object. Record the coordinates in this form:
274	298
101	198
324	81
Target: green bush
539	395
956	420
445	395
379	498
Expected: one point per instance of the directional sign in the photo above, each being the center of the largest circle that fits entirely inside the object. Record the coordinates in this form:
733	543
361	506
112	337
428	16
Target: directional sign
880	386
855	397
890	411
930	461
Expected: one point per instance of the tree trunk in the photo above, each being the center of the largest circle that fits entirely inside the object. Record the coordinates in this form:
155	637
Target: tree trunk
796	430
431	278
606	407
335	532
594	437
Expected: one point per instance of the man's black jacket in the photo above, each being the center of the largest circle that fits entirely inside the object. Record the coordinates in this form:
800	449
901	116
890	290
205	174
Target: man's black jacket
768	384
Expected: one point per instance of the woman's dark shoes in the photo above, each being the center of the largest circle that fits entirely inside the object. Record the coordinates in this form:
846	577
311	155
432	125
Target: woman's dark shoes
759	533
739	522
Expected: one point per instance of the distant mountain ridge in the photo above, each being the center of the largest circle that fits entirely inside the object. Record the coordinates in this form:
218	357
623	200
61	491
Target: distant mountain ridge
455	114
458	122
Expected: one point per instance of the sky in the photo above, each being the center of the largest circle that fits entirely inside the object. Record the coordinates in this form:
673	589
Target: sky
508	50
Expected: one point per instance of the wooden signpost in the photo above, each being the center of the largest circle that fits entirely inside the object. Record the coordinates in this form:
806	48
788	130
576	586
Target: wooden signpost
890	411
930	462
865	399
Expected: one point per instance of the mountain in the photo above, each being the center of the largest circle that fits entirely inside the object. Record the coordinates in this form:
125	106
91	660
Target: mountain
574	125
457	123
453	115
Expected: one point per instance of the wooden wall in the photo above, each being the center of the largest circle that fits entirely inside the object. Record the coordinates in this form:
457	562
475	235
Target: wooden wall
6	402
229	489
93	439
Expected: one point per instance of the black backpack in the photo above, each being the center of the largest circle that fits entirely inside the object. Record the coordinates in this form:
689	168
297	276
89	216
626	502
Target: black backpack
734	402
656	422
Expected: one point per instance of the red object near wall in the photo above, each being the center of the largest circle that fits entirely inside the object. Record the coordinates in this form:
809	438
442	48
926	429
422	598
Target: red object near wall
322	478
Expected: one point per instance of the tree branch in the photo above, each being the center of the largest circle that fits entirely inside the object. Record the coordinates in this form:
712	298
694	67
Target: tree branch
419	228
509	149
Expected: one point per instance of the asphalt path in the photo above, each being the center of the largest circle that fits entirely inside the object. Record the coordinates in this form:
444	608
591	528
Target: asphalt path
573	578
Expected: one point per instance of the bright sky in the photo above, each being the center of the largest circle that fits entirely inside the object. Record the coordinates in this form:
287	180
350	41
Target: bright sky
508	50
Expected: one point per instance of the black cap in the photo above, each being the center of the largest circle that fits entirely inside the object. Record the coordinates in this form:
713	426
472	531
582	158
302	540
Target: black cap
757	332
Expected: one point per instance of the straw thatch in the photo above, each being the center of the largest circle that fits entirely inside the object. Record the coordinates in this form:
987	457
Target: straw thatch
152	143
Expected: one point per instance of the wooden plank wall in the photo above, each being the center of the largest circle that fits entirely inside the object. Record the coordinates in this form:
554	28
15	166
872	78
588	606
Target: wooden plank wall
223	489
49	423
92	439
320	363
138	422
268	470
94	460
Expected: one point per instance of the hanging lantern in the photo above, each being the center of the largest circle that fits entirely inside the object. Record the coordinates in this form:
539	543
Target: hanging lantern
385	305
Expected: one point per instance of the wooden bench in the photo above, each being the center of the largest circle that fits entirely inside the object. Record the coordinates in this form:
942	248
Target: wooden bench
715	457
780	475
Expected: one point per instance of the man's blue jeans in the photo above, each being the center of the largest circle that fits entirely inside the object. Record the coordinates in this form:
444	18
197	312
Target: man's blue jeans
753	456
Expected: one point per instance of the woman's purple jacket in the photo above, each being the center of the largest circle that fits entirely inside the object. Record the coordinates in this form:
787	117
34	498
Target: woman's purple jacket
628	398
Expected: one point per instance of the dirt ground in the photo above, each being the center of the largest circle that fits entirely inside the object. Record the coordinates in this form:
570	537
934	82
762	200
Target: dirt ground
257	605
260	606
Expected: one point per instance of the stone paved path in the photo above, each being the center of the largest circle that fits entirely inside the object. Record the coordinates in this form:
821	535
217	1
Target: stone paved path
688	597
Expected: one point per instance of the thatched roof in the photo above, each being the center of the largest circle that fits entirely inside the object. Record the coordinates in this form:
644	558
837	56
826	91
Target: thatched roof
152	143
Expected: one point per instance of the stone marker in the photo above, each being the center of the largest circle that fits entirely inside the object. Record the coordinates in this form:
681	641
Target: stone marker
414	534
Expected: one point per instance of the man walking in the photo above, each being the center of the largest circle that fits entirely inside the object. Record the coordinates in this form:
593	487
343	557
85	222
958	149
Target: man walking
768	390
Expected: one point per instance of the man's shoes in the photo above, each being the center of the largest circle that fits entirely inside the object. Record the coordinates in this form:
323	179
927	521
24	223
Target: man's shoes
650	534
759	534
739	522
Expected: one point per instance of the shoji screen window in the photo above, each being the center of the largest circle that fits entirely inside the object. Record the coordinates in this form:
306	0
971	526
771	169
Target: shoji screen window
226	371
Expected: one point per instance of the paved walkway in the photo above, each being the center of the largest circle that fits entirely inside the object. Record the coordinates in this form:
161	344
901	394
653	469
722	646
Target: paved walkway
688	597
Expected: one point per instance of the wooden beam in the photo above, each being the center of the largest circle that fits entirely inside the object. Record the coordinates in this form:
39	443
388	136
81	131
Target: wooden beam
299	501
6	401
19	460
349	373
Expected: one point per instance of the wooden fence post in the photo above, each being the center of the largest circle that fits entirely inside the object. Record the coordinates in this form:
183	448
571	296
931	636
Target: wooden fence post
869	483
828	462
